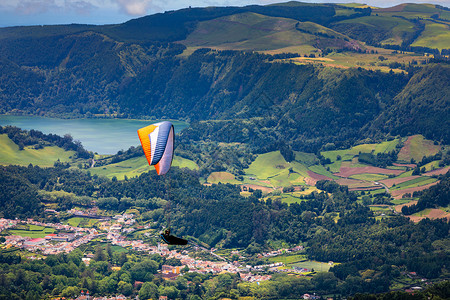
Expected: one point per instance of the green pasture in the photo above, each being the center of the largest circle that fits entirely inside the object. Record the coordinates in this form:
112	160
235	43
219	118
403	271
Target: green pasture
118	249
386	147
247	31
369	177
307	159
400	201
446	209
136	166
33	232
287	178
312	264
422	213
405	174
348	154
316	28
223	177
319	169
380	208
81	222
332	155
424	180
46	157
376	192
396	168
431	166
288	198
418	148
335	166
182	162
288	259
267	165
395	26
435	34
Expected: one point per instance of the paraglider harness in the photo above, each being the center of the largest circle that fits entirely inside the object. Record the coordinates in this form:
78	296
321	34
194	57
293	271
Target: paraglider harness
172	240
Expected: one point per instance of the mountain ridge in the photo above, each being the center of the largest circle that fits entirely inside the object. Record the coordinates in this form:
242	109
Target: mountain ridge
83	71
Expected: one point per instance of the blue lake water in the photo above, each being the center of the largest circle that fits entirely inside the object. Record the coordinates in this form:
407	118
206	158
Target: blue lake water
104	136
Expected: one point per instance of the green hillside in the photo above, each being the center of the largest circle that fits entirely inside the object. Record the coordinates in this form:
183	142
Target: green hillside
252	31
45	157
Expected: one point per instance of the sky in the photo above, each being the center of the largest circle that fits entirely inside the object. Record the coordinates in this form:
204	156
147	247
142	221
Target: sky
99	12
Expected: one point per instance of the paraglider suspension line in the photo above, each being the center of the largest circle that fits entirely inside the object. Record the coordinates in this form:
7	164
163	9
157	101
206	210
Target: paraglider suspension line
168	198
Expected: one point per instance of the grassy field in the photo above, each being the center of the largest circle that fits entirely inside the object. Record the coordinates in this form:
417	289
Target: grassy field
422	213
380	208
267	165
369	177
33	232
312	265
437	35
81	222
416	147
250	31
399	201
288	259
395	27
223	177
414	183
348	154
319	169
136	166
46	157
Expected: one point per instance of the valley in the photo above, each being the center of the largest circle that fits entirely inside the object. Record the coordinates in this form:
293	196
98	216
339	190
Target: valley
311	159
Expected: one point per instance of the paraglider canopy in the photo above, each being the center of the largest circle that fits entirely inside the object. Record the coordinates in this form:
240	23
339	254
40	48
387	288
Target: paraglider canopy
157	142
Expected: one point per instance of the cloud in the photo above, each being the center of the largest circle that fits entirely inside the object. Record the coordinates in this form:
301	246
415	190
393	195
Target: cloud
80	7
134	7
34	7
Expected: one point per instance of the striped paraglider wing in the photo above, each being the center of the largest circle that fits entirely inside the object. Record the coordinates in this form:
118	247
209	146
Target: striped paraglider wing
157	142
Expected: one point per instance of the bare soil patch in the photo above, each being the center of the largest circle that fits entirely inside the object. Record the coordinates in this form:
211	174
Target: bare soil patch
355	183
438	171
347	171
398	208
314	177
434	213
399	193
391	181
265	189
405	152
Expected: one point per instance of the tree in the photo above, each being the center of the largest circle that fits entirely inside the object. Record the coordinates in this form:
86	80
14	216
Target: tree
125	288
149	290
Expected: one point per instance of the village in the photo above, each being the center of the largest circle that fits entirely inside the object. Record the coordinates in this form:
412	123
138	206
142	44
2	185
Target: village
70	237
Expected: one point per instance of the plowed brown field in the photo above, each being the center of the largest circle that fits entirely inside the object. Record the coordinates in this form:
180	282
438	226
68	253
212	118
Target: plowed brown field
347	171
391	181
399	193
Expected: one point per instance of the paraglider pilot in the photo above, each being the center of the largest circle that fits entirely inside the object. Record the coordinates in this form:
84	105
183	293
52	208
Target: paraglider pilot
172	240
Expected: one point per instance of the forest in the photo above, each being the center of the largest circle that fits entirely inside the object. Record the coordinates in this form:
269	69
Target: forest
372	253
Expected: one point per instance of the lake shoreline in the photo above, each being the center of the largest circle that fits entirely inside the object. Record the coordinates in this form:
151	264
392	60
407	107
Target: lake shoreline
104	136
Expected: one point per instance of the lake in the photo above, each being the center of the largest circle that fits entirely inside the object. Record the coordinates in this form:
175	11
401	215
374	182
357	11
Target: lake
104	136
